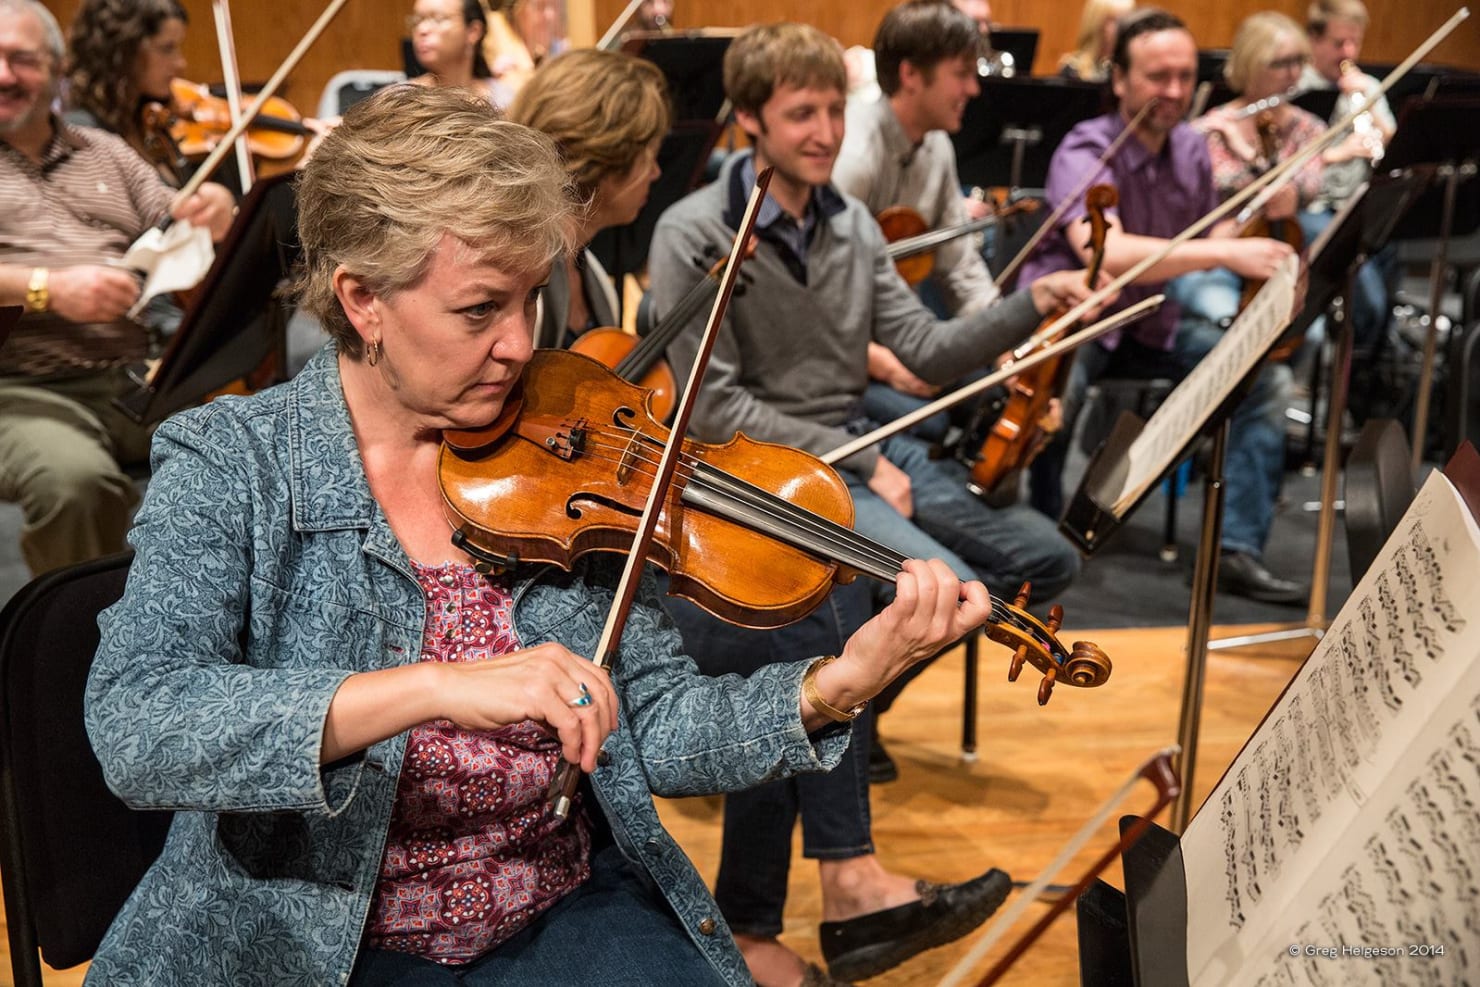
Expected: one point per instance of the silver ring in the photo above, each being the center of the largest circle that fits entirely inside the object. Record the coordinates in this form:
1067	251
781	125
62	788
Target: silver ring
584	699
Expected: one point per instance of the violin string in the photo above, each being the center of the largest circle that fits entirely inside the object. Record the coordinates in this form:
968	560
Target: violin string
842	539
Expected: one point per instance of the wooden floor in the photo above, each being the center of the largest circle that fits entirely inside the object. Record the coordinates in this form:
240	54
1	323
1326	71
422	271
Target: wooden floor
1040	774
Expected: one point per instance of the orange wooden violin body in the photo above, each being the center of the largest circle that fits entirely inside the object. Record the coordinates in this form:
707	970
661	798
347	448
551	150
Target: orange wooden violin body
753	532
197	120
902	223
1017	436
610	347
565	470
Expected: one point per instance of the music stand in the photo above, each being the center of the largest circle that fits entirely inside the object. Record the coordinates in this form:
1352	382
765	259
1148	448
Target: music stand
1010	129
1021	43
1438	141
234	322
692	62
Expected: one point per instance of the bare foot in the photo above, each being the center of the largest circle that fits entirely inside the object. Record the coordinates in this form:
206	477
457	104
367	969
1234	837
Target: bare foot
771	964
859	885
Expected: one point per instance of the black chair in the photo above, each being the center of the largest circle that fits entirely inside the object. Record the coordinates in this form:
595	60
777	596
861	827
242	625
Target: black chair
71	851
1379	488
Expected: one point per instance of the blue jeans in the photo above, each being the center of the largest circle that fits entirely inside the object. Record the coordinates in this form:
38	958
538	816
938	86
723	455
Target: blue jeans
616	927
1003	547
1256	443
755	852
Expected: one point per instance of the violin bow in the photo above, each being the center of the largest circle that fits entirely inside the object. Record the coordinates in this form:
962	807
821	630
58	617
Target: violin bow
227	45
613	36
1158	770
1120	319
1235	201
269	89
1057	216
568	775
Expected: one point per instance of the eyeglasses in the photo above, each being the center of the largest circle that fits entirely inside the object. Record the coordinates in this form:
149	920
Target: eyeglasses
164	49
24	61
414	21
1288	63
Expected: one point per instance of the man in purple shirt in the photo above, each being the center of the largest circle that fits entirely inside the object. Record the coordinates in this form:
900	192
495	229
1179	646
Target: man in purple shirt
1165	183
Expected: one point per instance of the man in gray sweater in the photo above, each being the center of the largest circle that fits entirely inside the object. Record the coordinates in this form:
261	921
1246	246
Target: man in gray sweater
791	366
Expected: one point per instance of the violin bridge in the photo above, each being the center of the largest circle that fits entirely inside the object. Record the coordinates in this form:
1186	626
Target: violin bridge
629	454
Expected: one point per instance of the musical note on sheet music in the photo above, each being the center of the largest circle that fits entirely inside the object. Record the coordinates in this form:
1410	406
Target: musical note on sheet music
1347	834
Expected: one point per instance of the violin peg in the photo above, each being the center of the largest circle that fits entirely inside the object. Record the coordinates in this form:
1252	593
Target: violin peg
1022	596
1015	668
1045	688
1055	618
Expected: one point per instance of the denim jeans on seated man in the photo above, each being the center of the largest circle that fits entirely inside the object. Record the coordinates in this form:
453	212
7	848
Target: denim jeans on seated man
755	852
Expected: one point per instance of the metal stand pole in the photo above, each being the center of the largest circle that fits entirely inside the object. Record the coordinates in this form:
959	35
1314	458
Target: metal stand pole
1320	579
1436	298
1199	620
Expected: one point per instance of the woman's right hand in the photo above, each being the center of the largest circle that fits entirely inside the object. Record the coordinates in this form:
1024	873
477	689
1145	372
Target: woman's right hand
542	684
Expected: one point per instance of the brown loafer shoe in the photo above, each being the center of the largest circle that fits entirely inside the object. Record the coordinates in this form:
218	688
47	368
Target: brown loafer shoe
816	976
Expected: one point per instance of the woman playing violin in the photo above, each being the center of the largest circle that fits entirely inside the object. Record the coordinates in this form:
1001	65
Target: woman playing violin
447	36
124	54
1268	54
607	113
356	727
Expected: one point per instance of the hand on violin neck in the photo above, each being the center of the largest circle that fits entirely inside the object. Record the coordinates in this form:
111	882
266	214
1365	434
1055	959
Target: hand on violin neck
212	207
932	609
1253	257
1059	291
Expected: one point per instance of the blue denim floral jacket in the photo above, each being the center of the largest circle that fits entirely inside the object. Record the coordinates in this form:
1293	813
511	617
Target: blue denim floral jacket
265	575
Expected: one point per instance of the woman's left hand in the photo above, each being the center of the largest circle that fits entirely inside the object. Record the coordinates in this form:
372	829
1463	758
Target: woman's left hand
932	609
211	207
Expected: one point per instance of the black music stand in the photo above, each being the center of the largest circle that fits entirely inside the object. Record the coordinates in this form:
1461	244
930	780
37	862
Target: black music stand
1438	143
692	62
234	322
1021	43
1139	935
1010	130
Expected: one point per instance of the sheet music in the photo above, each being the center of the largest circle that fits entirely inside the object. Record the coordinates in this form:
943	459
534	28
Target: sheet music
1200	393
1343	846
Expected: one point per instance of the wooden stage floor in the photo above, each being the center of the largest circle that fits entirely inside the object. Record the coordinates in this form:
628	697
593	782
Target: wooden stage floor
1040	773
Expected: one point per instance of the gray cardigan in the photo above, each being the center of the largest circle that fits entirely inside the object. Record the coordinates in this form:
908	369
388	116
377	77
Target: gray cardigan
792	363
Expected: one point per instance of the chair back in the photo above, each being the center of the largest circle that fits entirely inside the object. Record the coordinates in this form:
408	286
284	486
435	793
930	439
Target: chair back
71	852
1379	488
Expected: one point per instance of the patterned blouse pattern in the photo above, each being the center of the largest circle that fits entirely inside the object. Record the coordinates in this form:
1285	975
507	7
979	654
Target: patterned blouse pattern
472	855
1232	172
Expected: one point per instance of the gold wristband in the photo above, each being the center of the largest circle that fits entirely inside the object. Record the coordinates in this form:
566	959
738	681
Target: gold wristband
38	296
809	691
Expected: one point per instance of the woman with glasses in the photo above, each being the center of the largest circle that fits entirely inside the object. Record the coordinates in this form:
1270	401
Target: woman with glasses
1269	51
447	37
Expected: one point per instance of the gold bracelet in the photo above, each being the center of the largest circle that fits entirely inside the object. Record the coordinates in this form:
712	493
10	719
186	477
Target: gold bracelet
827	709
38	295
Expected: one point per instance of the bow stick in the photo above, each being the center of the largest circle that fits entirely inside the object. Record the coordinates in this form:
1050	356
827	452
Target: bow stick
1235	201
227	45
1144	307
568	775
610	40
1158	770
1058	214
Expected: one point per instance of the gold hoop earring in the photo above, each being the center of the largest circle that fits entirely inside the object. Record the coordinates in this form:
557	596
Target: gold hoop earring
372	352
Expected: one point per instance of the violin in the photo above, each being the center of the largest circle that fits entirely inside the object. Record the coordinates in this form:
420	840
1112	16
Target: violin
1017	437
196	120
912	242
755	533
639	359
1287	229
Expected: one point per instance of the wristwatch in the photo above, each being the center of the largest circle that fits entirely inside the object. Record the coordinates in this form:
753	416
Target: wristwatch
38	296
809	690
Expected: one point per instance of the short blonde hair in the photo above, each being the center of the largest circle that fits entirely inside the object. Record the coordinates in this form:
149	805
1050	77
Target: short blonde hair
772	55
602	109
1255	41
1085	58
409	165
1323	12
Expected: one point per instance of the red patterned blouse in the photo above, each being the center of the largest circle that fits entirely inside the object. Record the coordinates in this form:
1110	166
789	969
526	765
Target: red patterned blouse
473	854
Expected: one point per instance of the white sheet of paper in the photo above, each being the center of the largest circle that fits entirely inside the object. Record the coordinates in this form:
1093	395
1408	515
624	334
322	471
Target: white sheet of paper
1350	820
174	260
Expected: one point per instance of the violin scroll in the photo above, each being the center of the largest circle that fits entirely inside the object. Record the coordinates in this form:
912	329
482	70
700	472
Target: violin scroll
1086	666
